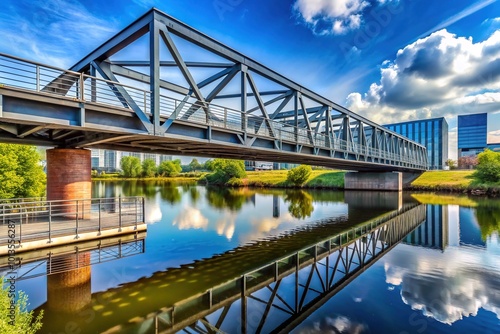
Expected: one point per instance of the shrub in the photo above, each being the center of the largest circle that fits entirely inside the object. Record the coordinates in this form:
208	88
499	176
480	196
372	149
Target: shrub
225	170
299	175
488	168
23	320
170	168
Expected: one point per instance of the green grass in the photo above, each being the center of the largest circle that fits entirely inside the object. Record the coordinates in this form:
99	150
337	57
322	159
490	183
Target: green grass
277	178
444	180
453	180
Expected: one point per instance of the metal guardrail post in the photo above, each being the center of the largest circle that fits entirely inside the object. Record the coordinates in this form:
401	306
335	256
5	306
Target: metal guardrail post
136	212
50	222
143	216
225	118
120	213
76	219
99	220
37	78
20	225
82	87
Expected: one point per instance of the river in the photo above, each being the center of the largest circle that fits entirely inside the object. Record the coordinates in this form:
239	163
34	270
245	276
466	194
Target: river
264	260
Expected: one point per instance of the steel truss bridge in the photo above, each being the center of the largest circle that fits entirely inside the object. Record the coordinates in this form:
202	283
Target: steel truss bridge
188	95
269	286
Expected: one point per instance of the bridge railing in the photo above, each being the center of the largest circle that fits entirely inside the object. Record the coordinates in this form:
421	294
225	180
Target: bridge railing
20	73
46	220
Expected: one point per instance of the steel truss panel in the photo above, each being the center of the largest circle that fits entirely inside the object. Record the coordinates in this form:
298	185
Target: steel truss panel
287	113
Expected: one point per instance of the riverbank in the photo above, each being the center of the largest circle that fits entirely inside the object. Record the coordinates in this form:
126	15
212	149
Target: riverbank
458	181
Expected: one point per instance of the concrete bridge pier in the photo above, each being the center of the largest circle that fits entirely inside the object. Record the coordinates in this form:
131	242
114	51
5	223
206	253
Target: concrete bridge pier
382	181
69	178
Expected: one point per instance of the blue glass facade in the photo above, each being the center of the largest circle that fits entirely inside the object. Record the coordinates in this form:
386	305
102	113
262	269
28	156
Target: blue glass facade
432	133
472	134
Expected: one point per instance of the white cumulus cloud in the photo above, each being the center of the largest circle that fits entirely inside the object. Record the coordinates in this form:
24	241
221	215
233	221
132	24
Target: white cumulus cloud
441	75
331	16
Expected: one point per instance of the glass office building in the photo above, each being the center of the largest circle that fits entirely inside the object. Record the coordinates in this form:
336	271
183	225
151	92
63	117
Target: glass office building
432	133
472	134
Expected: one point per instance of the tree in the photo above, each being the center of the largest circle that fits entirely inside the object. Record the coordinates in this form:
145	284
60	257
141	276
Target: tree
22	319
21	172
488	167
131	166
194	165
451	163
209	165
225	170
149	168
467	162
299	174
170	168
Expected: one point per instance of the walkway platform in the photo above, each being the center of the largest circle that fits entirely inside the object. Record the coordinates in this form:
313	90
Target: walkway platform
30	225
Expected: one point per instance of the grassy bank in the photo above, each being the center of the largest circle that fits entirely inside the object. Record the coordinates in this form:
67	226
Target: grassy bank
453	181
277	178
442	181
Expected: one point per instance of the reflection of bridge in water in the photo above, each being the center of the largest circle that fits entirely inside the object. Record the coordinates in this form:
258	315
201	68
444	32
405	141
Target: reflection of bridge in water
267	286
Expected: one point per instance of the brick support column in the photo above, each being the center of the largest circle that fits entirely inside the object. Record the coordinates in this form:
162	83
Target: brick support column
68	178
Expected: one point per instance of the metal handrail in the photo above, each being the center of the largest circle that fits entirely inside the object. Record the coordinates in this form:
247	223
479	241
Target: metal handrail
211	114
44	220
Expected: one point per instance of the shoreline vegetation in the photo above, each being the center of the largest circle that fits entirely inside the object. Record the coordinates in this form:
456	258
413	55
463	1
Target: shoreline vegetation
452	181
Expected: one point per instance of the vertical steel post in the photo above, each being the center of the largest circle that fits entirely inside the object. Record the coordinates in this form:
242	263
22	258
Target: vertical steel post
243	305
37	78
143	210
76	219
50	222
99	216
120	213
136	213
82	87
225	118
154	74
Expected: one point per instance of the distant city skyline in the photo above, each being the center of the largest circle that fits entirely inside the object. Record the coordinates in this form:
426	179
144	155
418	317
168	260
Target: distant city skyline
389	60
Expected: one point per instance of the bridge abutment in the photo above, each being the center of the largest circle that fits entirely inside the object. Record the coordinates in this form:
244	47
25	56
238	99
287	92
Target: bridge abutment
386	181
69	178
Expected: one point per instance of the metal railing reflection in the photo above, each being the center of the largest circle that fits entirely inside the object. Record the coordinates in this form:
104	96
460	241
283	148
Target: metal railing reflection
277	296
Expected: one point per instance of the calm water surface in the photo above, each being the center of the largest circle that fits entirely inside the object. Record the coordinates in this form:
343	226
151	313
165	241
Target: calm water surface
442	277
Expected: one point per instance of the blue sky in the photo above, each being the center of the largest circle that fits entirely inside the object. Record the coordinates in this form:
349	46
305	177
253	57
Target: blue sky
390	60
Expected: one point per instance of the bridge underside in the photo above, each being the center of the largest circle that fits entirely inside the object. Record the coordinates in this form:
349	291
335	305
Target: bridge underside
160	86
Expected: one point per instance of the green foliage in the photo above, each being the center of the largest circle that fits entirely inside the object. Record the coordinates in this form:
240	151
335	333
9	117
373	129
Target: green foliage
225	170
488	168
300	204
299	174
488	218
170	168
149	168
195	165
209	165
94	173
23	320
131	166
451	163
221	198
21	174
